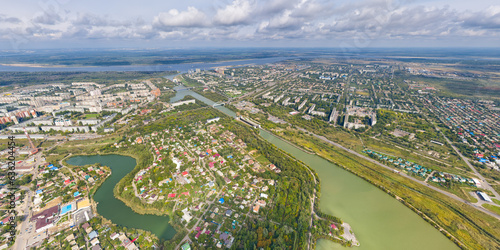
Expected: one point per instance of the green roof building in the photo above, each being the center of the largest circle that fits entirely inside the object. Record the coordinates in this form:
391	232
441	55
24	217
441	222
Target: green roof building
186	246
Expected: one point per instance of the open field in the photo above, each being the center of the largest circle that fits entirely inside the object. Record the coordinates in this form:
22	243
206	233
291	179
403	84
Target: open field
492	208
461	88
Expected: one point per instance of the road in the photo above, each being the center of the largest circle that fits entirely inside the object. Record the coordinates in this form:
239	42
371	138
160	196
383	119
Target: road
196	224
486	185
24	236
402	174
429	175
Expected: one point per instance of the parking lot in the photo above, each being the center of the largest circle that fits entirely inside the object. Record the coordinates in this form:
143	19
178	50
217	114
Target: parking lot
35	238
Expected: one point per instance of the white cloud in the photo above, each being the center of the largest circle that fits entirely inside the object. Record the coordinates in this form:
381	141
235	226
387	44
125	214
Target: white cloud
259	20
283	21
192	17
49	18
486	19
238	12
10	20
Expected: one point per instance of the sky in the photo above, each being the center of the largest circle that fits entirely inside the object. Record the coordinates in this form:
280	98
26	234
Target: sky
52	24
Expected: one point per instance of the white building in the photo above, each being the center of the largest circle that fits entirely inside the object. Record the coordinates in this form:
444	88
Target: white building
20	129
484	196
46	122
63	122
89	121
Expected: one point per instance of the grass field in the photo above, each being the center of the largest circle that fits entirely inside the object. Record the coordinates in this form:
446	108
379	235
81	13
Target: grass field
460	88
262	160
492	208
78	147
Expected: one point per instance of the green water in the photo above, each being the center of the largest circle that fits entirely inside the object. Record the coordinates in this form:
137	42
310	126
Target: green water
377	219
115	210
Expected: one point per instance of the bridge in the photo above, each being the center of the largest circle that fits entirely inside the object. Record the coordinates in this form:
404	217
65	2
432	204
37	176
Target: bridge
185	88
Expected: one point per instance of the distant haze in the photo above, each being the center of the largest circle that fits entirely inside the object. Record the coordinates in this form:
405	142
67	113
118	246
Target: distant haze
32	24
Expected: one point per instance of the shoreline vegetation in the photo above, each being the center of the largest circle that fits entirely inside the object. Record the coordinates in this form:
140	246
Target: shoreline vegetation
316	213
387	191
373	170
142	162
373	176
137	208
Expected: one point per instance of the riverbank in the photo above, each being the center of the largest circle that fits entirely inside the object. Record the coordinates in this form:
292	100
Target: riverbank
138	208
96	185
291	144
351	235
383	188
404	191
377	238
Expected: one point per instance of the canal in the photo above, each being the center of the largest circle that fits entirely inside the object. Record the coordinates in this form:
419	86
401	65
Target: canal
377	219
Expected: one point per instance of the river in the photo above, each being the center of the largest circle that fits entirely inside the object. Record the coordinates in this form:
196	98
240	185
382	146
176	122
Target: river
377	219
182	67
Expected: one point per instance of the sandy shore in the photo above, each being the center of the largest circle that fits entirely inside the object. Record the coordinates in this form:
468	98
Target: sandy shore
31	65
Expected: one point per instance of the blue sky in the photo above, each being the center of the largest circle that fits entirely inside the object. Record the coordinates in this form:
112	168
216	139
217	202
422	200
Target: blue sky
29	24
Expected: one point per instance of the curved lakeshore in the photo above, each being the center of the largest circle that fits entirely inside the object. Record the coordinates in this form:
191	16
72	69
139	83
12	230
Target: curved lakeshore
116	210
378	220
